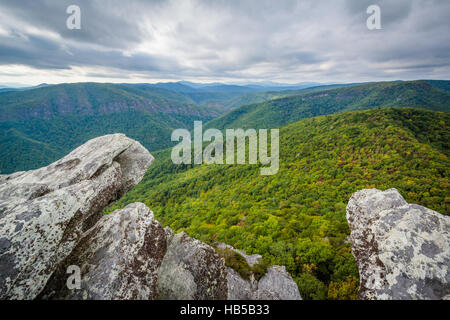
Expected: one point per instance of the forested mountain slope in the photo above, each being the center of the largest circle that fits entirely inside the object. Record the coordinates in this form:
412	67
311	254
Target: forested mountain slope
91	98
275	113
225	97
251	98
41	125
297	216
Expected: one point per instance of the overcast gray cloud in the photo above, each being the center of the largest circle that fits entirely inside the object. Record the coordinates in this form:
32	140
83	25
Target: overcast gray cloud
284	40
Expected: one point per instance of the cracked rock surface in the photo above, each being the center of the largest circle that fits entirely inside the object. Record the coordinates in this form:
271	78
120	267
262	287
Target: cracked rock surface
276	284
402	250
118	258
44	212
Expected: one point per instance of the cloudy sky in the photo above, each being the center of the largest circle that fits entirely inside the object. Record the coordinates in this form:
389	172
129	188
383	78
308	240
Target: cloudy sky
223	40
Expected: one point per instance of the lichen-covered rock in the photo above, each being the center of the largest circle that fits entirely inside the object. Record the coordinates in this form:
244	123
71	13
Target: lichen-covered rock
239	288
191	270
277	284
128	255
118	258
44	212
402	250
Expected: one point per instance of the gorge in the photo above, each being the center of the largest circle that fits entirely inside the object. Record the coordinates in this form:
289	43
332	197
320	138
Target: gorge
52	218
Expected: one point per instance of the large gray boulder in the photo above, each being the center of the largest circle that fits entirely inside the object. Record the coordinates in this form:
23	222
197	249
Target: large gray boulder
191	270
44	212
276	284
118	258
402	250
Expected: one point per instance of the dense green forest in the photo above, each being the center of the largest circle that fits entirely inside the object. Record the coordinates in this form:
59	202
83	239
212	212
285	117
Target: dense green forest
297	218
252	98
38	142
93	98
40	125
432	95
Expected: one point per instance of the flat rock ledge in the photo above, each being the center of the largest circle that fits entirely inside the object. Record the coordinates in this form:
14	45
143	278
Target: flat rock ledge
402	250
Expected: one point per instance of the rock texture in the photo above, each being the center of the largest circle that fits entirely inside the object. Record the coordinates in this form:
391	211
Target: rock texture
44	212
402	250
191	270
128	255
276	284
51	221
118	258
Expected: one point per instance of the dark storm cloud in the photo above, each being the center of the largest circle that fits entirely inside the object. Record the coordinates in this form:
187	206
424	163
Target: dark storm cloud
35	51
286	40
104	22
42	53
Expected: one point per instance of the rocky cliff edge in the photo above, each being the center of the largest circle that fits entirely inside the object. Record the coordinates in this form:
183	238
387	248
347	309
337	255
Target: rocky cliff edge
51	220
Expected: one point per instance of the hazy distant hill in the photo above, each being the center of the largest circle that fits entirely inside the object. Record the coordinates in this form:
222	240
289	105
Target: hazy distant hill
275	113
224	97
4	89
215	95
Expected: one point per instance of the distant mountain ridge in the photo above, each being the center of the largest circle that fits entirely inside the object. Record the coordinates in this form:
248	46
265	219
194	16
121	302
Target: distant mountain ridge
4	89
38	126
92	98
251	98
426	94
227	96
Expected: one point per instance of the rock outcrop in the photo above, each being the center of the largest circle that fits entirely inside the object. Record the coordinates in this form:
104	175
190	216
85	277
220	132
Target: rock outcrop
402	250
44	212
118	259
191	270
250	259
276	284
51	221
128	255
